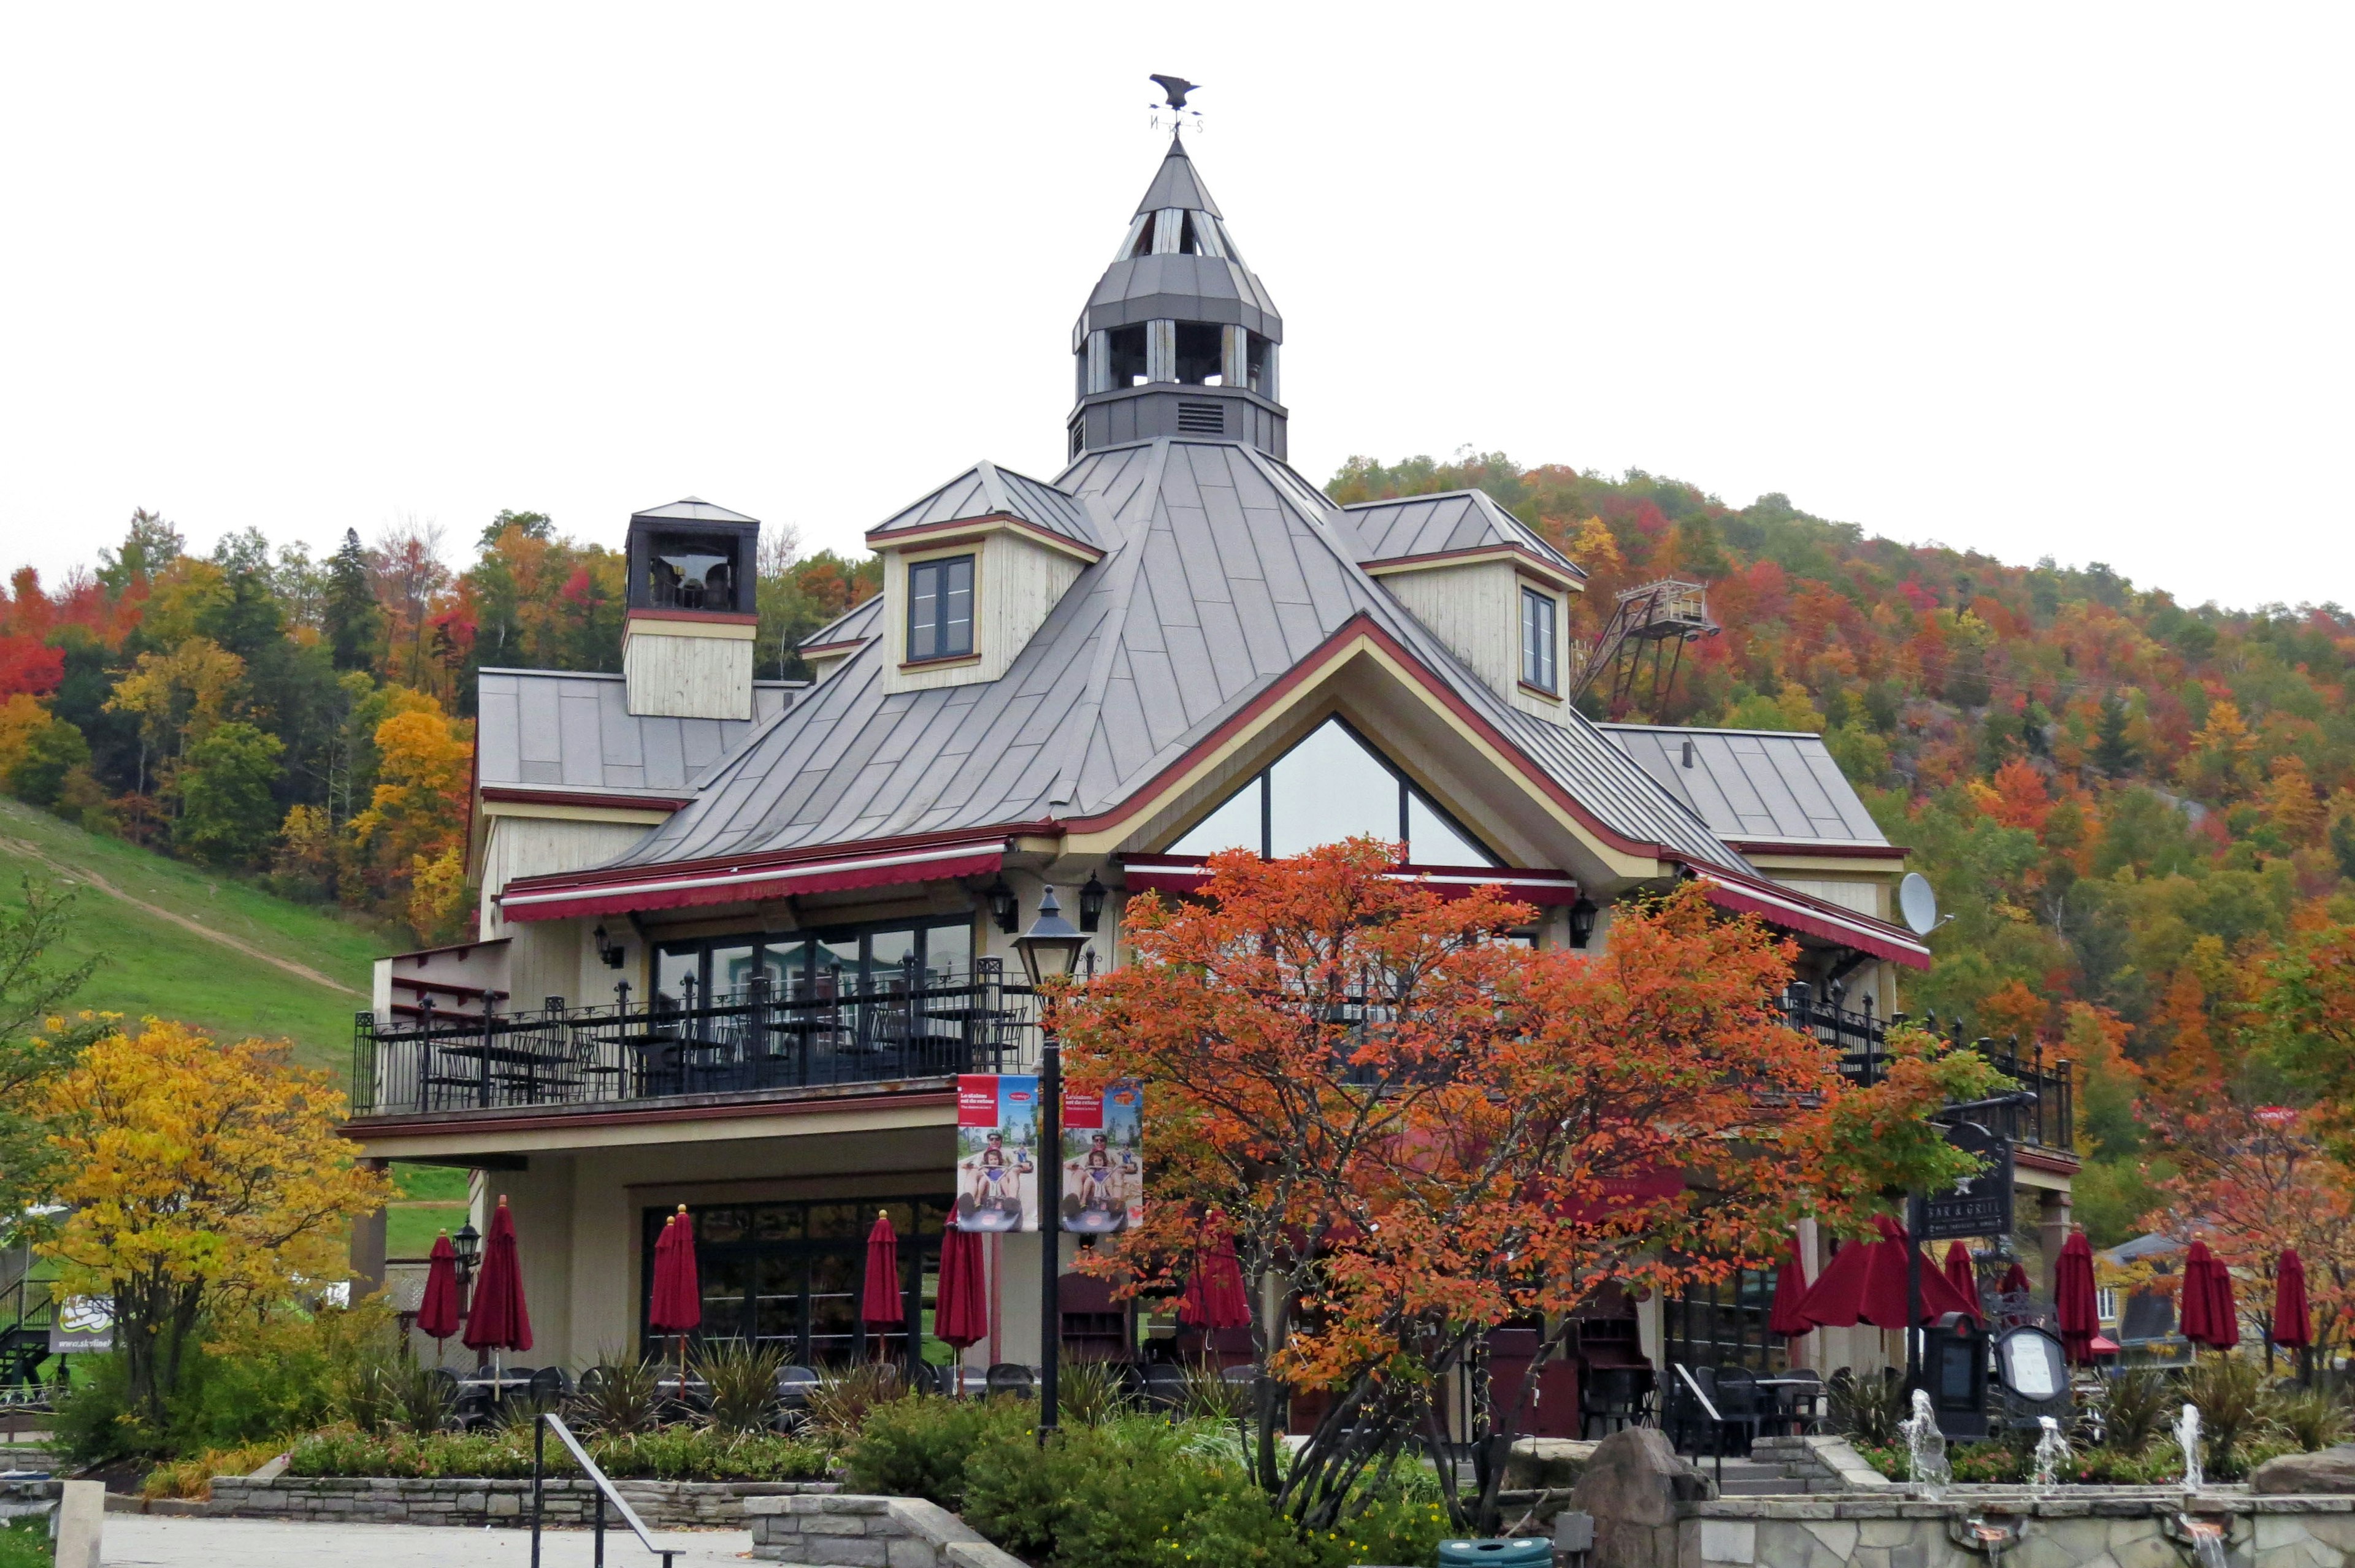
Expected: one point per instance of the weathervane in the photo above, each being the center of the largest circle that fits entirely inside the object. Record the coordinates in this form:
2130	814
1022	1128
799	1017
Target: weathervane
1180	118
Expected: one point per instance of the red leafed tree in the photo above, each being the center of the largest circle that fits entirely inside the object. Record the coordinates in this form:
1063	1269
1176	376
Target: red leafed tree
2253	1182
1419	1130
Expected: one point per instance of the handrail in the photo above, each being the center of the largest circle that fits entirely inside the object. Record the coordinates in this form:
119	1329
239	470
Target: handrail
1716	1421
549	1420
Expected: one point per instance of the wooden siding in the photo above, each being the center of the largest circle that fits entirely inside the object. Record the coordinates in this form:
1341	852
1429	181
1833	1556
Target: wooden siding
1864	898
1016	584
534	845
1475	610
688	677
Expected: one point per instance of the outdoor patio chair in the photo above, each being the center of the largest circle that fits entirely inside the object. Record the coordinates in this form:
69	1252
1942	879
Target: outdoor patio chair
1161	1386
1801	1406
1608	1399
550	1386
1009	1377
1742	1404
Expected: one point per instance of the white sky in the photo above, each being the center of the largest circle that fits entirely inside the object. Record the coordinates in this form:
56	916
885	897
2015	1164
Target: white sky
2033	279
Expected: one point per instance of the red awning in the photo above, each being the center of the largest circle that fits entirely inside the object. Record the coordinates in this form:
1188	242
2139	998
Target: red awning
1187	874
1796	911
560	899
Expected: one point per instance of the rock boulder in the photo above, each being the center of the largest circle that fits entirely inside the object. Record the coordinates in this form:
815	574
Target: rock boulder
1632	1485
2330	1471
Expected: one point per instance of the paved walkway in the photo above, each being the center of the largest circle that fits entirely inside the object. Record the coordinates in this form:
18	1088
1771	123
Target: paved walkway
142	1540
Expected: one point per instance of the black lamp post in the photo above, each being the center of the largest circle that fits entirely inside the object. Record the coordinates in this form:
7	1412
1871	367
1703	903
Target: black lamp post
1050	951
468	1244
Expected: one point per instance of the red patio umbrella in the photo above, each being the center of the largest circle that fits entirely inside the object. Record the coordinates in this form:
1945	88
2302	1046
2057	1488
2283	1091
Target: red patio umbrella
1790	1289
882	1302
1867	1284
1214	1294
2293	1324
438	1310
1961	1276
961	1313
498	1319
2016	1282
677	1305
2073	1290
2209	1316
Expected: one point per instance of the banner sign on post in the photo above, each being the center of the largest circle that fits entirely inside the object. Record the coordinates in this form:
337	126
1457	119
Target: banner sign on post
997	1152
1103	1159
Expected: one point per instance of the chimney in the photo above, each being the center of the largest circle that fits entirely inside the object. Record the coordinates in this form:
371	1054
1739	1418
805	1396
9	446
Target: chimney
687	649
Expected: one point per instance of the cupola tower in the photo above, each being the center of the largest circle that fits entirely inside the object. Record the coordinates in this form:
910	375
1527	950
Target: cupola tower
1178	338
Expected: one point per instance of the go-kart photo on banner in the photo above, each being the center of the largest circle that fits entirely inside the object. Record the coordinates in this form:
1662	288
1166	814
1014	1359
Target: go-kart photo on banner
1103	1159
997	1152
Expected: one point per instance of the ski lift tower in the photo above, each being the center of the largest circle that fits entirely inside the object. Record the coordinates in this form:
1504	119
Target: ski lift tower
1656	619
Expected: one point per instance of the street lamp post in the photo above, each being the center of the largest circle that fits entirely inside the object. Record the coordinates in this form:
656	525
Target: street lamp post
1050	952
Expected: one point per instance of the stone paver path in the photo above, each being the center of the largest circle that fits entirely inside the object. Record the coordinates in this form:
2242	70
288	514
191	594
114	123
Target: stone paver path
141	1540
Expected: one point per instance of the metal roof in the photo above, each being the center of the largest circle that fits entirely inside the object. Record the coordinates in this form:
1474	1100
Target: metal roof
1756	784
1175	184
1225	570
985	490
1164	285
569	729
693	509
858	621
1448	521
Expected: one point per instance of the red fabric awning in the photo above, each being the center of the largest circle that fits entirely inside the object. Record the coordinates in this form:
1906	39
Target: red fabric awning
1187	874
554	898
1796	911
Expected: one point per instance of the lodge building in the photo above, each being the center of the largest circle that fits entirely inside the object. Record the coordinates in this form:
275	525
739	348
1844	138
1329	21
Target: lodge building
737	937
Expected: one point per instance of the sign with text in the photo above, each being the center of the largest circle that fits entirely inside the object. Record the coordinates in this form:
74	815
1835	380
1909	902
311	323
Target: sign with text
1977	1205
1103	1159
997	1152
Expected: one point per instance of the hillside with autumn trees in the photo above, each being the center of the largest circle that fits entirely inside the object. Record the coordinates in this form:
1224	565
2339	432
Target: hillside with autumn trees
2140	812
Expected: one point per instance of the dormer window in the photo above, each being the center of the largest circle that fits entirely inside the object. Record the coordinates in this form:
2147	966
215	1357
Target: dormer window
940	608
1540	664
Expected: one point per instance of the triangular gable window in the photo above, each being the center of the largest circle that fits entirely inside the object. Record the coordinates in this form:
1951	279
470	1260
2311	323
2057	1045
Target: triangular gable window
1330	786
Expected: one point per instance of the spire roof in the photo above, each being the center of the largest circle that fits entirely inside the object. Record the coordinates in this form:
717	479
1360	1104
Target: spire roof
1177	185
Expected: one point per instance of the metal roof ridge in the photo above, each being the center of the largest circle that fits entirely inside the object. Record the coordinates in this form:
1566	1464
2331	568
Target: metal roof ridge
1709	730
567	674
1081	722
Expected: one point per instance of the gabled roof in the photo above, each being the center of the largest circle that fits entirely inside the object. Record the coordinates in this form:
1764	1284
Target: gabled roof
1225	571
1755	786
1450	522
570	731
985	490
852	624
693	509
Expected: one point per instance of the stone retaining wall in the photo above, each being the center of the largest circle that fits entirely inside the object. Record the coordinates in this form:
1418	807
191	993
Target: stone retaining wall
844	1531
2120	1527
669	1505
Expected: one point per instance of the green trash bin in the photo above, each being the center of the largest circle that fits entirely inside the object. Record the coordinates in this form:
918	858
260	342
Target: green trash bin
1514	1552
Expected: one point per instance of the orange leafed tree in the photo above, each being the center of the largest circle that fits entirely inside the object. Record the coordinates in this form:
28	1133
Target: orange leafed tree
1418	1129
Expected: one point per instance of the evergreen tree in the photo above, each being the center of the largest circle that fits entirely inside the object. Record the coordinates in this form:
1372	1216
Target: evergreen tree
353	618
2114	753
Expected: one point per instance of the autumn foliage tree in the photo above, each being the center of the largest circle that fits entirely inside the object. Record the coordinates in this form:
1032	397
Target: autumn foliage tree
1418	1130
198	1176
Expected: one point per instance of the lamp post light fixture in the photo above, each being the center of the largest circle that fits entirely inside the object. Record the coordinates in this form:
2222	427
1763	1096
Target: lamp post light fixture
468	1244
1050	951
1091	902
1581	922
1004	907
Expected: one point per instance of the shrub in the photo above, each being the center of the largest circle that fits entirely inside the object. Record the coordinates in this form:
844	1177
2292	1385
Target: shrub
2234	1410
2136	1406
1208	1396
193	1477
1868	1409
839	1403
918	1447
1089	1393
744	1383
669	1454
619	1394
2310	1418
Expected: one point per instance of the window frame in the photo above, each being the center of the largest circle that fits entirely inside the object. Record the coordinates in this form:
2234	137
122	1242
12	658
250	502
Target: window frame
1262	783
1550	686
809	939
940	566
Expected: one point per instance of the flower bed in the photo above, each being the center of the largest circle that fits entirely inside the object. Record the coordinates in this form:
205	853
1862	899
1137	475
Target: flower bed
667	1454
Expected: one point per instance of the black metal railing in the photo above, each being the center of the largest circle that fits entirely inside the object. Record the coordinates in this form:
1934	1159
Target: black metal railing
27	1313
2049	1121
899	1023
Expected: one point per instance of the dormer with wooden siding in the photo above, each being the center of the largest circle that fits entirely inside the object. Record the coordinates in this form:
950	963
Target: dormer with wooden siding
970	572
1485	583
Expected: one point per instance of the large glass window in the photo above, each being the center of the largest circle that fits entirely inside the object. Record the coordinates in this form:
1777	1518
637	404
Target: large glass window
940	608
830	963
1329	788
1538	658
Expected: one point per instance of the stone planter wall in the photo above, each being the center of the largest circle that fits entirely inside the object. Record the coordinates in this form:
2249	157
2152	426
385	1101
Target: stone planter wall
2120	1527
669	1505
846	1532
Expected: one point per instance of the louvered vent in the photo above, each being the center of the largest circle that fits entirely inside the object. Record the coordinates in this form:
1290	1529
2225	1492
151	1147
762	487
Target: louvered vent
1202	419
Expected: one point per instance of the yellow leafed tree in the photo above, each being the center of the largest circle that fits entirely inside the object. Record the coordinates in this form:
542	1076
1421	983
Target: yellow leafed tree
199	1177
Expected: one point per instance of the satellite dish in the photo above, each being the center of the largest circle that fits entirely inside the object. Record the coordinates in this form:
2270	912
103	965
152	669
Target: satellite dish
1918	902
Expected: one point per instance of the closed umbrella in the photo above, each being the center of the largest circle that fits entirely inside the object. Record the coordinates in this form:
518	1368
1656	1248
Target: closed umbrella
2293	1324
2209	1317
677	1304
1790	1289
2015	1282
1214	1294
1961	1276
881	1304
2073	1290
498	1319
438	1310
960	1312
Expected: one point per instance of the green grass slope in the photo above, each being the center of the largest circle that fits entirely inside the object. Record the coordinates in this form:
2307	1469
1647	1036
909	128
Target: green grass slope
153	963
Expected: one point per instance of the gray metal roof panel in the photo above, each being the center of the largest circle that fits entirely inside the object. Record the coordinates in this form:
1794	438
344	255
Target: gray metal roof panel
1223	570
1175	184
1448	520
986	490
1781	786
572	729
692	509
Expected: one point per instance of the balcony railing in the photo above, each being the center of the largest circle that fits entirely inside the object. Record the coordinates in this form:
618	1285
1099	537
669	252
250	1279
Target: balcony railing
1862	1042
901	1023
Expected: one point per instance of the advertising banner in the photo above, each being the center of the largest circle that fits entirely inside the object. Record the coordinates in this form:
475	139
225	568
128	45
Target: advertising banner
1103	1159
997	1152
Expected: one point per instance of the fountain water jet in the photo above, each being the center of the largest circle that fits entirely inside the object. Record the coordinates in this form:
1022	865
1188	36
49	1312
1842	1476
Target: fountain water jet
2051	1452
1925	1448
2187	1432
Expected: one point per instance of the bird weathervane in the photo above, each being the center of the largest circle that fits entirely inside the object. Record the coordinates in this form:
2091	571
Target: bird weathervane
1174	114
